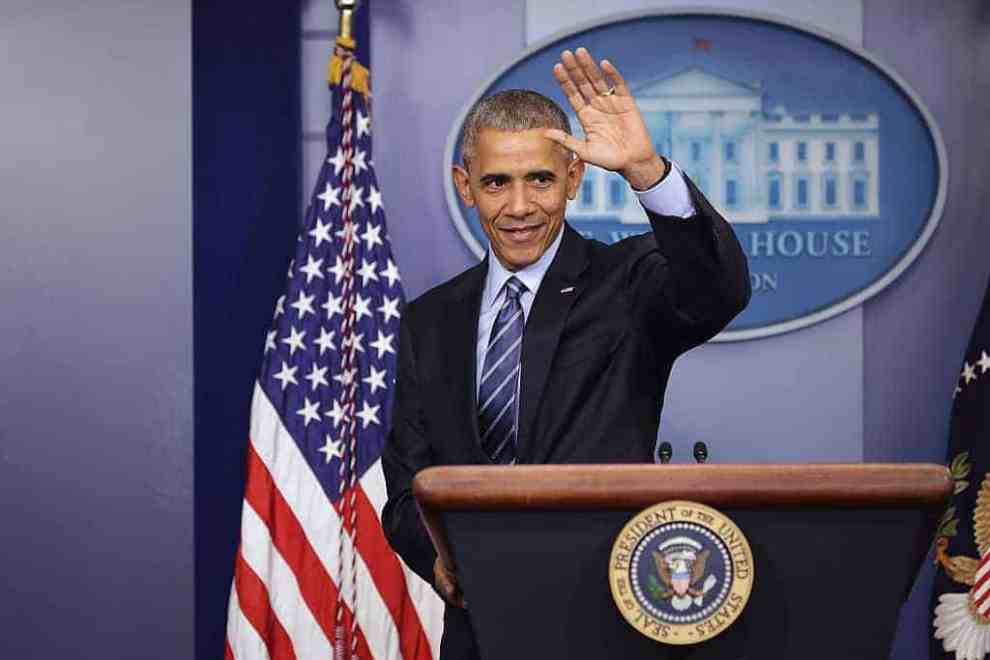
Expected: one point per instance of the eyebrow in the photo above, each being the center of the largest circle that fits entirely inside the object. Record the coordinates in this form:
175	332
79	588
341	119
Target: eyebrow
490	178
529	176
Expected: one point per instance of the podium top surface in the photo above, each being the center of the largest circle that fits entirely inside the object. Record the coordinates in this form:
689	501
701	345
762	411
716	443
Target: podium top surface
568	487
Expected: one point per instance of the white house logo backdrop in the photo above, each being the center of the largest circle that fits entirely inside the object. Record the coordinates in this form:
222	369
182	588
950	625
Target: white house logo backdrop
830	169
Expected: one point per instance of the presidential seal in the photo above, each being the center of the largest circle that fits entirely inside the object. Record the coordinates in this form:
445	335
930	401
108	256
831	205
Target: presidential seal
680	572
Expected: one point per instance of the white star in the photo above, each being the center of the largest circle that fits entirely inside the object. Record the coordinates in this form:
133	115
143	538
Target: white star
372	235
969	372
339	270
332	305
363	124
310	412
389	308
346	233
368	414
359	164
346	377
376	379
330	197
337	414
325	342
312	268
361	306
367	272
286	375
295	341
383	344
317	377
391	273
356	199
304	305
280	306
375	199
337	161
353	343
984	362
270	341
332	449
321	232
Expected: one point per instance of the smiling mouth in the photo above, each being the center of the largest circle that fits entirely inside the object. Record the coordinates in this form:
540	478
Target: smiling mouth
521	234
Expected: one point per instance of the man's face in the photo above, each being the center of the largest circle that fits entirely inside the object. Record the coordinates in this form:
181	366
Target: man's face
520	181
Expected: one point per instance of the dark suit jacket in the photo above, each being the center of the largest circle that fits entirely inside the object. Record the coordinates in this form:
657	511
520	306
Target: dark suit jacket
595	363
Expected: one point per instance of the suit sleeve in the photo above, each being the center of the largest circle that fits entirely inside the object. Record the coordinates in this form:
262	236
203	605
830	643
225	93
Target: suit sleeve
407	451
695	280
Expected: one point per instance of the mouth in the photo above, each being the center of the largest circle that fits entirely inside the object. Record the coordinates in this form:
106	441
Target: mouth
521	234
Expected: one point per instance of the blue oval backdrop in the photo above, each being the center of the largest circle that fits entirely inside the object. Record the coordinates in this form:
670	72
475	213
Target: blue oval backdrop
829	167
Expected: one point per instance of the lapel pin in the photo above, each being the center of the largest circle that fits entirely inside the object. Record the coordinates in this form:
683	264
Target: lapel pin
568	289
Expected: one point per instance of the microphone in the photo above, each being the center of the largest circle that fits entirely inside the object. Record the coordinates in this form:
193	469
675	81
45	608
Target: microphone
700	452
665	452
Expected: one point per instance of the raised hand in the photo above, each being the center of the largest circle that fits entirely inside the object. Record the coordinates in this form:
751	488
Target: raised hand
615	135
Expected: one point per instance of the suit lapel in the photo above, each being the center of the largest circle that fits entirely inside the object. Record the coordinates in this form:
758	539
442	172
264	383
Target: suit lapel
462	335
543	329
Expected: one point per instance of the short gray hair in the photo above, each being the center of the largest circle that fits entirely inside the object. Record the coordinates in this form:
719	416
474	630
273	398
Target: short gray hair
511	110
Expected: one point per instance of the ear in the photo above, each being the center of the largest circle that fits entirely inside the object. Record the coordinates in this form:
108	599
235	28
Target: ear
575	172
462	181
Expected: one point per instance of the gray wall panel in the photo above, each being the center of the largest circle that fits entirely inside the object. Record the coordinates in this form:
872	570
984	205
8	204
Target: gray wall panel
96	330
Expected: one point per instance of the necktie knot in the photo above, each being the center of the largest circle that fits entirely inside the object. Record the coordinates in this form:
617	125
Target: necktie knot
514	288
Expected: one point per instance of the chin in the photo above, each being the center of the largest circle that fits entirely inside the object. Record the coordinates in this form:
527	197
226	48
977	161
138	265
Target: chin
518	259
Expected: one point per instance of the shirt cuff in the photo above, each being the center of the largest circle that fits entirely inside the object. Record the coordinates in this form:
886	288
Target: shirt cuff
668	197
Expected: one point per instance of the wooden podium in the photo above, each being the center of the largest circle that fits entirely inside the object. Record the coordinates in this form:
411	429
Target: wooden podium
836	549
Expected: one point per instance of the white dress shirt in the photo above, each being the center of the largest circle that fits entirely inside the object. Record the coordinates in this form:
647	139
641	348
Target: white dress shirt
668	197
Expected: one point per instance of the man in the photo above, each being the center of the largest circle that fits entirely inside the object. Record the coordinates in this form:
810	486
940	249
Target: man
554	349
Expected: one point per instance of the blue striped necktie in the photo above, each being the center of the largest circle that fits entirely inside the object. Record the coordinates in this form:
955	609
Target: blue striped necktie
498	408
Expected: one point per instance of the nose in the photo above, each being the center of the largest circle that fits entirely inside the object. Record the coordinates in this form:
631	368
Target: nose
519	204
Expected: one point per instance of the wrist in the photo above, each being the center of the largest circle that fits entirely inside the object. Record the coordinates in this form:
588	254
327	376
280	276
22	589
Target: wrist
643	174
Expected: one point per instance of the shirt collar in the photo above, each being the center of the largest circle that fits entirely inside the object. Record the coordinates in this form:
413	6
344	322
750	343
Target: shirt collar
531	275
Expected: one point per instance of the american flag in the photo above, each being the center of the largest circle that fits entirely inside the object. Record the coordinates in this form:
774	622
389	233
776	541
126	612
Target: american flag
314	576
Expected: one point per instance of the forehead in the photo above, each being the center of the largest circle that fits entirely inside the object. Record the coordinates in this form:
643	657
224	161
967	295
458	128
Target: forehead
518	150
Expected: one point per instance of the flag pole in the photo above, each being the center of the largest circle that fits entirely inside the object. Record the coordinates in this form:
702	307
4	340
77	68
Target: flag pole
346	43
345	27
342	69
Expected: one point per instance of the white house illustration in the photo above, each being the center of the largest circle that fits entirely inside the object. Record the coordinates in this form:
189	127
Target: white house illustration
755	165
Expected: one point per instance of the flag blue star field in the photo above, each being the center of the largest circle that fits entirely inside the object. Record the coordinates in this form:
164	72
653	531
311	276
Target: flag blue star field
961	593
314	576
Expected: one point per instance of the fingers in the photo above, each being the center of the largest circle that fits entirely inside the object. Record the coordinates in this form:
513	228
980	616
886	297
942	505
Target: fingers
568	142
567	86
576	74
621	88
582	80
452	594
591	71
446	582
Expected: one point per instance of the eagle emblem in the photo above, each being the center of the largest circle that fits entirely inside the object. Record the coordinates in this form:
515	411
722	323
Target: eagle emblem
962	620
680	572
681	563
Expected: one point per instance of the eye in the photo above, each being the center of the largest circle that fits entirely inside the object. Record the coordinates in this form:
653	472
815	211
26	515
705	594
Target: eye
495	183
541	180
